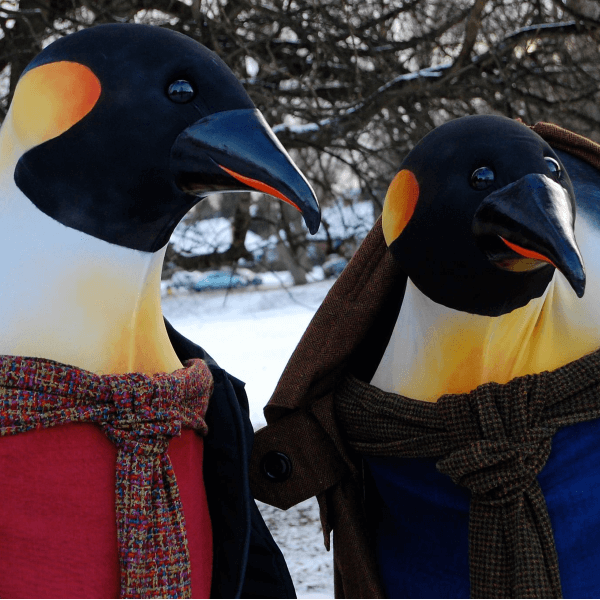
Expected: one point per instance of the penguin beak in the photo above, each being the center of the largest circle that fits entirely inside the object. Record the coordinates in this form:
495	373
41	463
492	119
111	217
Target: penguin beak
528	225
235	151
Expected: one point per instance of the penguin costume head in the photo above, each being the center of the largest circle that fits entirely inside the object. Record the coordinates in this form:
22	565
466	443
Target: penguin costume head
481	214
482	219
113	134
122	127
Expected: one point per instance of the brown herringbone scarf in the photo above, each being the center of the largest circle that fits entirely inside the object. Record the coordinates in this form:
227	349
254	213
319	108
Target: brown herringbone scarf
140	414
494	441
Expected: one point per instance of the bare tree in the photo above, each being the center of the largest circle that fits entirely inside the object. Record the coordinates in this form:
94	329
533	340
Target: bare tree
351	85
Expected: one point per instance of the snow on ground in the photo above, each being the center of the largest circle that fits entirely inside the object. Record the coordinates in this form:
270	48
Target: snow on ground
252	334
298	533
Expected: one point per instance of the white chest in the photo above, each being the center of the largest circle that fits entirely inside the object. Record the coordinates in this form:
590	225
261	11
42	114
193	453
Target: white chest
69	297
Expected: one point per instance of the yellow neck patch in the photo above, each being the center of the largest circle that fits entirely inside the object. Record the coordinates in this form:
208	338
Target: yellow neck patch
51	99
435	350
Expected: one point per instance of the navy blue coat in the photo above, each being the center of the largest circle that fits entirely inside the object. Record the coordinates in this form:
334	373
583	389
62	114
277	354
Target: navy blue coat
246	561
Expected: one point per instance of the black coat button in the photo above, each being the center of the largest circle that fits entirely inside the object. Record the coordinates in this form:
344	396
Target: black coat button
276	466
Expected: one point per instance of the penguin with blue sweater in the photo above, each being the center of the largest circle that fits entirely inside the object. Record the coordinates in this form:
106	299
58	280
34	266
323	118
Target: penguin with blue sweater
114	133
513	293
455	420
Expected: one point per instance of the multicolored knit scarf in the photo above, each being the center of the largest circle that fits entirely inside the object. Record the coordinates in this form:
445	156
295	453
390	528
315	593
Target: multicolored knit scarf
139	414
493	441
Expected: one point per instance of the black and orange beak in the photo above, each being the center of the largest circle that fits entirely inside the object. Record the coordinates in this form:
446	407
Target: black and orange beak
528	225
234	151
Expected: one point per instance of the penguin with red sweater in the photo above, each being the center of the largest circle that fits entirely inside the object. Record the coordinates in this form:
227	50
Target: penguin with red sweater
114	133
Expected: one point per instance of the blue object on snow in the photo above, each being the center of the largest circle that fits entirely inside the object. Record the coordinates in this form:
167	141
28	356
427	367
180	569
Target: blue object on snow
221	280
334	266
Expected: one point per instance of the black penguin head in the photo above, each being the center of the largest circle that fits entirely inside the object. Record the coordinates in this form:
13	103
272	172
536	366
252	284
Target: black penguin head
145	122
480	214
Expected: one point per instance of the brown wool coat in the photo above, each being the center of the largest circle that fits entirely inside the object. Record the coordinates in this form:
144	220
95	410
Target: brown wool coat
301	417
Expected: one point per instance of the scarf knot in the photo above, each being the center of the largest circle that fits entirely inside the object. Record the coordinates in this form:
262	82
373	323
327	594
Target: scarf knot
146	415
500	445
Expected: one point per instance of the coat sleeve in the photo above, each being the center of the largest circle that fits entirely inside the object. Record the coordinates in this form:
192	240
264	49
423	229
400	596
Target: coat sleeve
359	312
315	467
294	459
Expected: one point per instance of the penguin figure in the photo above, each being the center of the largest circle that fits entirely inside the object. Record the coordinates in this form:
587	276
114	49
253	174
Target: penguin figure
114	133
499	247
483	268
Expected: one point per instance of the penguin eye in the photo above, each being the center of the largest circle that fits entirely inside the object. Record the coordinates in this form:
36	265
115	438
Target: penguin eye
482	178
181	91
554	167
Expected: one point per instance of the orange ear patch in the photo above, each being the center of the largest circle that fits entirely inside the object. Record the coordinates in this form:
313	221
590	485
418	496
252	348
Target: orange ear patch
400	202
50	99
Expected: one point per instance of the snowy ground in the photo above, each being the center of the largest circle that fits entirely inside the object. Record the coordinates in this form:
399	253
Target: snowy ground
252	334
298	533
